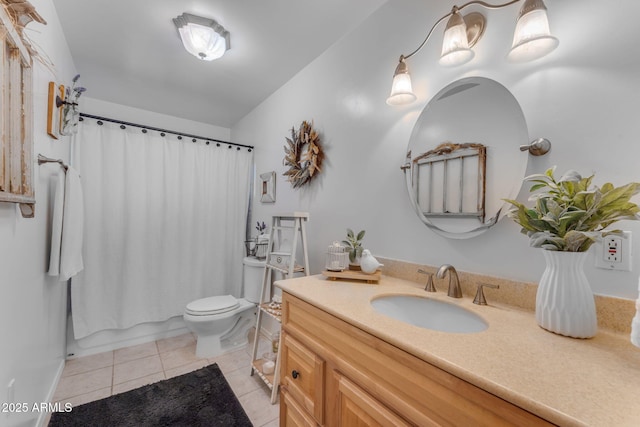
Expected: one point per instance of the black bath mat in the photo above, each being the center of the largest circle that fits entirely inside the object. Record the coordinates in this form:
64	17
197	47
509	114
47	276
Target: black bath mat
202	398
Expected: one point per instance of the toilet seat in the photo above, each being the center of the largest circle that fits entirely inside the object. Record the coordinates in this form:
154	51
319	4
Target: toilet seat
212	305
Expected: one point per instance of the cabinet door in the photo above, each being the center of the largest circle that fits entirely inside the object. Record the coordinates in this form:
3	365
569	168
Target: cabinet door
356	408
302	373
291	415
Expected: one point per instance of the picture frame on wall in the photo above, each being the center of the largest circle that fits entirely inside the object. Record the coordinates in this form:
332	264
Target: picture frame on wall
268	187
54	112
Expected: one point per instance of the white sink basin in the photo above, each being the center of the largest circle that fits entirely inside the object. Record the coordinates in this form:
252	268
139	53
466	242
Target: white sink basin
429	313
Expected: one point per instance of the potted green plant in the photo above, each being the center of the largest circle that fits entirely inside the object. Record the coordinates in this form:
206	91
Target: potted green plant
354	245
568	216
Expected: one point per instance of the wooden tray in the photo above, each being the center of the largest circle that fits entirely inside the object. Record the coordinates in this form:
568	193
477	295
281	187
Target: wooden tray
353	275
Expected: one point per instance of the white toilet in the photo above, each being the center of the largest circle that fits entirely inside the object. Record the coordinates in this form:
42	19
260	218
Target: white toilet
221	323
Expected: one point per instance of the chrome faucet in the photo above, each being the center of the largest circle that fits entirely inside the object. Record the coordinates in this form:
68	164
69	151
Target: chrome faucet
454	283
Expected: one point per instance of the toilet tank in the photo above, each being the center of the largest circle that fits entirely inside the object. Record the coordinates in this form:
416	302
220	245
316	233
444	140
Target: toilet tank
253	271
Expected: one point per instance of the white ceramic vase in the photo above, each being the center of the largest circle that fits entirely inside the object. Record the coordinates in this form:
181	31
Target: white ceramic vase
564	301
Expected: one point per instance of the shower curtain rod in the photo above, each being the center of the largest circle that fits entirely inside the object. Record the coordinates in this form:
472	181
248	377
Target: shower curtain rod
163	131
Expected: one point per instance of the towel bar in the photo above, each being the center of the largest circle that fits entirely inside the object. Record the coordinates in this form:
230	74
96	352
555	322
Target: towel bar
44	159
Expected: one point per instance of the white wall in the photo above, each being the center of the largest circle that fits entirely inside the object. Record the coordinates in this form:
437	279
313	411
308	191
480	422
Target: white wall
33	305
583	97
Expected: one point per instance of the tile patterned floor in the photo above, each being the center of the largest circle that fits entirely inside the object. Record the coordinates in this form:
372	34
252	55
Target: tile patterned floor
90	378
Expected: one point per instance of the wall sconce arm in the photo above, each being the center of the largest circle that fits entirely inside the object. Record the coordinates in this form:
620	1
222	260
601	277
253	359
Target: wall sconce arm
455	9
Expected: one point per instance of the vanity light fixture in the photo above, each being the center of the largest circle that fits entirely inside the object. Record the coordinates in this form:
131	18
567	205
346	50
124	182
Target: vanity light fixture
202	37
401	91
532	40
460	37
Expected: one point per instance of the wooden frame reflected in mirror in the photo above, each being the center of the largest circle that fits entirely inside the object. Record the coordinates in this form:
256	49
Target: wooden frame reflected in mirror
458	188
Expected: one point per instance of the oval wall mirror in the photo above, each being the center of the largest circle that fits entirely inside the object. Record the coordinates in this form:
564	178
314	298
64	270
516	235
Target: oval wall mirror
463	157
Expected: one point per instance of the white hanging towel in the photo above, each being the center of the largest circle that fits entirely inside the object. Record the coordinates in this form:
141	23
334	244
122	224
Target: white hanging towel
67	228
56	225
635	323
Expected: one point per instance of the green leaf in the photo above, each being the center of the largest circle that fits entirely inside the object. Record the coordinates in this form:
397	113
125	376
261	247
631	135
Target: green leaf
513	202
549	172
541	206
537	176
585	183
574	240
360	235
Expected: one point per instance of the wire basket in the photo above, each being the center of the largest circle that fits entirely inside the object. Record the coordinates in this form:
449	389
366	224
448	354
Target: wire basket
337	258
256	249
250	246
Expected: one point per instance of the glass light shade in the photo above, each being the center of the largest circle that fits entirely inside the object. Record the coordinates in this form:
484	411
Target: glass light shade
202	37
455	46
401	91
532	38
202	42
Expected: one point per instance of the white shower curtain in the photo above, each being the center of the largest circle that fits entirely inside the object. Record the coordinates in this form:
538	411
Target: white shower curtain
165	224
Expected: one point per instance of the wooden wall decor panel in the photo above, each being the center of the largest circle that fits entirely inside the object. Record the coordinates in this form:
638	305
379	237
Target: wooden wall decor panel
16	102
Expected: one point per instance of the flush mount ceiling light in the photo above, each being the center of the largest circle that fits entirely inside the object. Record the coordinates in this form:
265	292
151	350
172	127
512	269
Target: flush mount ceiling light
202	37
532	40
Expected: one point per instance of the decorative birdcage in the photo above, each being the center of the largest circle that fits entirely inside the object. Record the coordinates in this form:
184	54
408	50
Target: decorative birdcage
337	258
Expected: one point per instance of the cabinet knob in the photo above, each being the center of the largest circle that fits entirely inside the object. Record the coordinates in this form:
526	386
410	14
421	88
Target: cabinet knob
295	374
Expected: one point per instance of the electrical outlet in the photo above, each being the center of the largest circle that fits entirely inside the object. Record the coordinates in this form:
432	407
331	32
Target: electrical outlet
612	246
613	252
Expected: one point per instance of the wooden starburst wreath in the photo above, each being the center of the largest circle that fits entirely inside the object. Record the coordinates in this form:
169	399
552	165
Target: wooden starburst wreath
303	155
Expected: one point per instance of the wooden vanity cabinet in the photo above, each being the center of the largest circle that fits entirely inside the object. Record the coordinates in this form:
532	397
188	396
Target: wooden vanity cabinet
291	414
356	407
335	374
303	376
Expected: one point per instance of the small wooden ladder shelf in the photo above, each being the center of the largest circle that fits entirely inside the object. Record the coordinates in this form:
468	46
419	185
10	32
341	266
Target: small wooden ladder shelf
284	262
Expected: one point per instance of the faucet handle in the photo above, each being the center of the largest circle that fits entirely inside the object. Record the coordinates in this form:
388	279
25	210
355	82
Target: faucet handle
430	286
480	299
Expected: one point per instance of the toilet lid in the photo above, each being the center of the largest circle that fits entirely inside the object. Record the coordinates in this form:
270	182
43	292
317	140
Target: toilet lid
212	305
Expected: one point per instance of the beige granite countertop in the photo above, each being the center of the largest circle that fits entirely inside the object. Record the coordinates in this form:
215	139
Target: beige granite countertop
594	382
